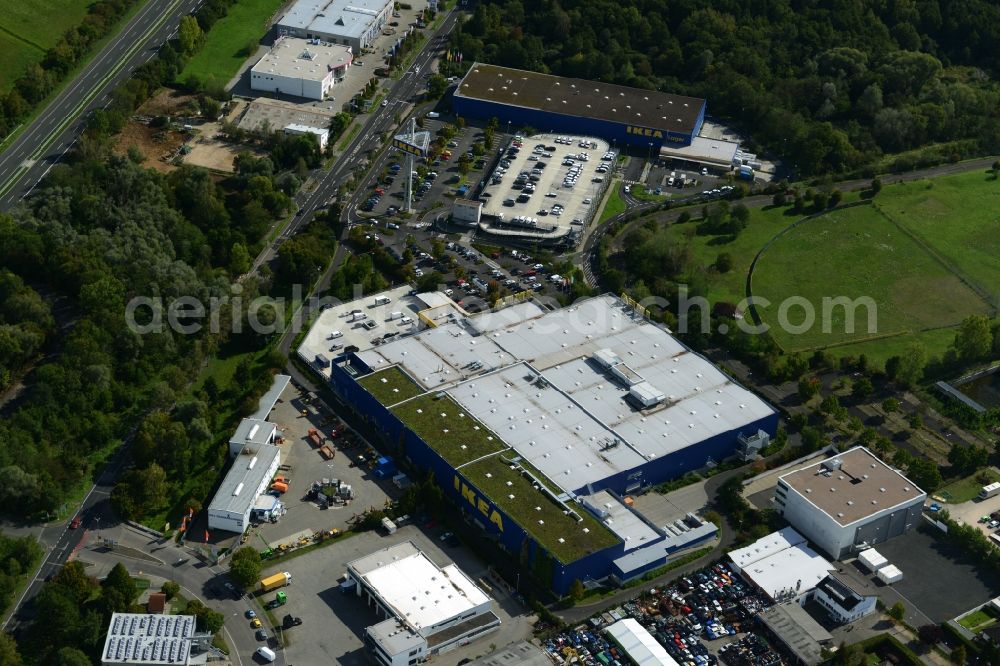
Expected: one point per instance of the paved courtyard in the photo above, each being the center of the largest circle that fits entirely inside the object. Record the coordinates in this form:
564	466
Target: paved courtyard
333	624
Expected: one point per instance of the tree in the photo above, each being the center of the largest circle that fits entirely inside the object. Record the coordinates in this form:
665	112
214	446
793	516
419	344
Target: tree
890	405
577	590
724	262
959	655
897	612
924	473
876	186
70	656
779	199
862	389
464	164
189	35
171	589
907	369
118	590
436	86
974	339
808	387
245	566
74	580
9	655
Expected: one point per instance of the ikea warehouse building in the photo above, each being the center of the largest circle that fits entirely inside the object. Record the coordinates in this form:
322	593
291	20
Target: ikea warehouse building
539	423
627	116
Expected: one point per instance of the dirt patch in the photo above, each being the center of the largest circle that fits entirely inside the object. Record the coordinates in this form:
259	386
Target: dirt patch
159	145
212	154
168	102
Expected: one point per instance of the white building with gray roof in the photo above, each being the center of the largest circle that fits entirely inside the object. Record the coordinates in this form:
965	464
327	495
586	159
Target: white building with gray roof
354	23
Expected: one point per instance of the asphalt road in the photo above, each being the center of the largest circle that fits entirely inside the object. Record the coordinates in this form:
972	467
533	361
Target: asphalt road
43	143
403	92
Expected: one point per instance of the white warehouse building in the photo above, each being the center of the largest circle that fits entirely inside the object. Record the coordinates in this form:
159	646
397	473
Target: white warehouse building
849	502
354	23
248	478
428	609
301	68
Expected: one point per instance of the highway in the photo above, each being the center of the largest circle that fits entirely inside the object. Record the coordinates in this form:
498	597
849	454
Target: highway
52	132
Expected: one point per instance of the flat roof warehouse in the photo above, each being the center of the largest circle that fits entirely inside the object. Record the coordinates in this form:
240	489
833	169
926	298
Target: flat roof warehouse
578	97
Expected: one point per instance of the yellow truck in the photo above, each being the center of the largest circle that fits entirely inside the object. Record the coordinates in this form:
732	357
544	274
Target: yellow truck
275	581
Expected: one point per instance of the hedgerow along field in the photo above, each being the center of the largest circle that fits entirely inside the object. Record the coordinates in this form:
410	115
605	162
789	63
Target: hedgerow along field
915	282
28	28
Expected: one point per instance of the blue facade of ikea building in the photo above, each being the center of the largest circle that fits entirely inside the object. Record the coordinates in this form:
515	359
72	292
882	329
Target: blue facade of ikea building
620	134
512	537
623	115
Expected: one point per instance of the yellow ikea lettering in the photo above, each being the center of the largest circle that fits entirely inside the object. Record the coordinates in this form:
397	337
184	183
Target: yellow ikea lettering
644	131
479	503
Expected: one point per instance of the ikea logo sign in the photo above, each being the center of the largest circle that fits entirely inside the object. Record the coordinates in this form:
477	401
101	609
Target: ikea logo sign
643	131
479	503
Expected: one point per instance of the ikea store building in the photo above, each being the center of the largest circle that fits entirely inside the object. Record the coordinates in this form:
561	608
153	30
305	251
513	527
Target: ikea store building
538	423
626	116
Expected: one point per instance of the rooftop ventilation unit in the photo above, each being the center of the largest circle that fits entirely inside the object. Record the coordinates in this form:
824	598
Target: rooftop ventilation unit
832	465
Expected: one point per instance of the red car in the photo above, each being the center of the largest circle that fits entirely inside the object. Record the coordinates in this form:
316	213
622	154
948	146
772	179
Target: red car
75	523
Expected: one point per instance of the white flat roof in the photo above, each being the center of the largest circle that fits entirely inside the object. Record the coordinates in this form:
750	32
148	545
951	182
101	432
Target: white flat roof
253	431
766	546
620	520
418	591
148	639
790	572
244	476
703	150
347	18
575	427
639	644
298	58
335	318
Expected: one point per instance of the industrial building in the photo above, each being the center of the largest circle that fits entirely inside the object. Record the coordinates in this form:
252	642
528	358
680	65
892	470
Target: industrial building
256	459
626	116
801	635
354	23
638	644
428	609
841	602
782	566
301	68
522	412
849	502
151	640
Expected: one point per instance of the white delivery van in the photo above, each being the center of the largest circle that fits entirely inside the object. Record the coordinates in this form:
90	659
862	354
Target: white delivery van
382	300
267	654
359	316
335	335
394	315
406	320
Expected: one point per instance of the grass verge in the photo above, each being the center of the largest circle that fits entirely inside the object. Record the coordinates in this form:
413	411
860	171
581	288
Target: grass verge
964	490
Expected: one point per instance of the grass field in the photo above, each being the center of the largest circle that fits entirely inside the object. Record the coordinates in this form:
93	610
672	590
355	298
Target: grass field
30	27
977	620
226	43
964	490
959	216
614	203
857	252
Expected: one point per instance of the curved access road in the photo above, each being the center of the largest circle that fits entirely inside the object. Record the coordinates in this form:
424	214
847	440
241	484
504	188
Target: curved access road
52	132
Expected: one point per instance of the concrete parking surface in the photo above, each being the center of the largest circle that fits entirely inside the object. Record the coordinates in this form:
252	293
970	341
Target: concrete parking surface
333	624
939	581
307	466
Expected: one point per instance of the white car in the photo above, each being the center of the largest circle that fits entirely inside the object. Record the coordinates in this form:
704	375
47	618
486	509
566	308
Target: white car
448	292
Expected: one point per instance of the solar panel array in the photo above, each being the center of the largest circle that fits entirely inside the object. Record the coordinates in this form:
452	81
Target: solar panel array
149	639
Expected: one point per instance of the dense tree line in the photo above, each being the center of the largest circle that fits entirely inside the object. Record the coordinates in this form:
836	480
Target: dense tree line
832	86
18	559
25	323
102	231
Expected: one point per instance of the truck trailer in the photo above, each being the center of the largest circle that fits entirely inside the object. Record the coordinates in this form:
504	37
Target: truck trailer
989	491
275	581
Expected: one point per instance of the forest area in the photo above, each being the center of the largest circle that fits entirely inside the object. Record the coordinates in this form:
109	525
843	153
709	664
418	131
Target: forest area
831	86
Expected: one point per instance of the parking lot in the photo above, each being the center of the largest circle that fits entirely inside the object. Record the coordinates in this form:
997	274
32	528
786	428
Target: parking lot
437	180
697	619
938	580
333	624
545	184
306	465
